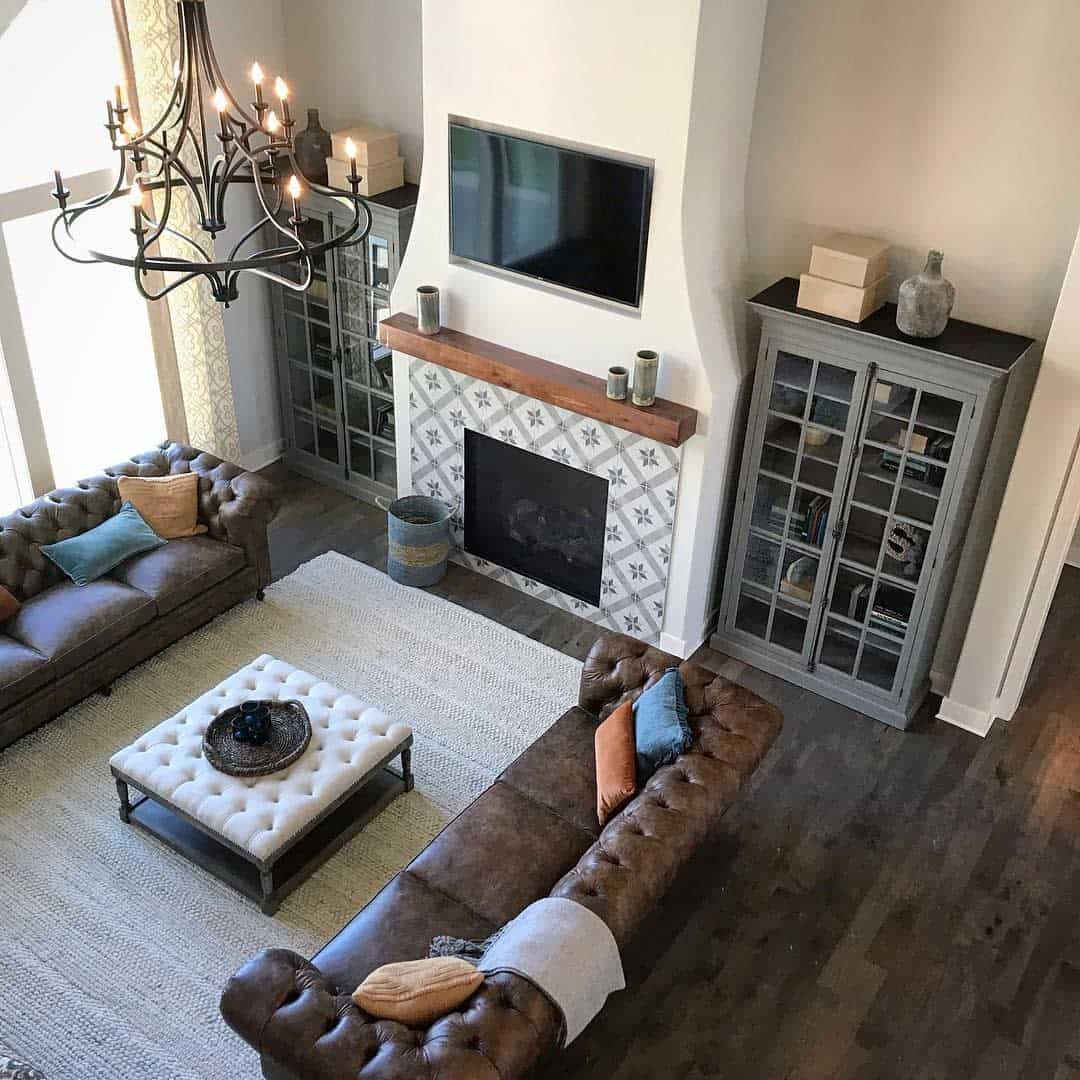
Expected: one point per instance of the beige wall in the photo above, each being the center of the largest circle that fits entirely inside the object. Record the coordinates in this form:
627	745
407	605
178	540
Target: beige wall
944	123
359	60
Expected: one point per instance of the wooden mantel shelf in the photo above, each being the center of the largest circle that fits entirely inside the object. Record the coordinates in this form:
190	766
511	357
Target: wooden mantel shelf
665	421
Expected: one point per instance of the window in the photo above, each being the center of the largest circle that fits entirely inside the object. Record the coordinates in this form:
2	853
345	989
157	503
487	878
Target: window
76	360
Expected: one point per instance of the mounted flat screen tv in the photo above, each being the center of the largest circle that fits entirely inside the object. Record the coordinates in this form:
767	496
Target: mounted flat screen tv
569	218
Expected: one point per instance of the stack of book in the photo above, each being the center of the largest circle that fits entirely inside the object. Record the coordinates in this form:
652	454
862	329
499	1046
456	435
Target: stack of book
807	524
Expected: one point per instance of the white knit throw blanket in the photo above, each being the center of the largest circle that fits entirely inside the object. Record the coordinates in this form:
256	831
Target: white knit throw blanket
568	952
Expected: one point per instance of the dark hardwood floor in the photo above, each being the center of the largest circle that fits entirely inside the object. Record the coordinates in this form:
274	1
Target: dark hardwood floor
880	904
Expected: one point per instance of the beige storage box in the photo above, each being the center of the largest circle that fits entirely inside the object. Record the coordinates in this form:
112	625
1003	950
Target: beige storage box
851	260
385	176
374	145
841	301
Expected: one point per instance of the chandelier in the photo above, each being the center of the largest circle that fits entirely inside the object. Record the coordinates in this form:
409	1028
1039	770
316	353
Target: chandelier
182	151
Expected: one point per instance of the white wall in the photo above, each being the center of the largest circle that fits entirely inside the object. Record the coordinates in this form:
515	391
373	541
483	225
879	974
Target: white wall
950	125
359	60
644	79
244	31
1030	542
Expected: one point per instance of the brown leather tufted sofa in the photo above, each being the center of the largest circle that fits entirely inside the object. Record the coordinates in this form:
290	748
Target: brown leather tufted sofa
533	832
68	642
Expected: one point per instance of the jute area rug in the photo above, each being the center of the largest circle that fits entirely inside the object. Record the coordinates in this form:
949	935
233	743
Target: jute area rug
115	949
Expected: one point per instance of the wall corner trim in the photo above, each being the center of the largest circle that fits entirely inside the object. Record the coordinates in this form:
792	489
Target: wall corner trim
977	721
261	456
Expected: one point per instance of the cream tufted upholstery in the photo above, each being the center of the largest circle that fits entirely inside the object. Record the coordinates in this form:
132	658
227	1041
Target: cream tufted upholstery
348	738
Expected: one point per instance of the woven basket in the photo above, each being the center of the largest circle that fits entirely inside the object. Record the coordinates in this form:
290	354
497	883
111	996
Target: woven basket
290	733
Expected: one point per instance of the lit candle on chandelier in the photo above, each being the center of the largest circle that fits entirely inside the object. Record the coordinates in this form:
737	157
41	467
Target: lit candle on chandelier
295	190
350	153
221	103
257	78
272	123
119	97
281	88
137	204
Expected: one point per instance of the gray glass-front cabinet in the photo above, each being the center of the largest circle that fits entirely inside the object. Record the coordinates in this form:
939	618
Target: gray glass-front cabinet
864	459
336	379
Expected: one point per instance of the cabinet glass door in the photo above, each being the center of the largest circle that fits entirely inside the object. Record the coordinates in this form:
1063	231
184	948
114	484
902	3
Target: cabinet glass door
911	438
802	454
363	280
310	345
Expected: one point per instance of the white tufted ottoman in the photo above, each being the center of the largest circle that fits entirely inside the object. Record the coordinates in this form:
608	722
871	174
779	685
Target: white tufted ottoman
267	834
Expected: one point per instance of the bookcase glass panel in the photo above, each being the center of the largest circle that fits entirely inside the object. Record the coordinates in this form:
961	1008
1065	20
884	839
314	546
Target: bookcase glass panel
359	455
789	628
772	505
304	433
752	615
300	385
356	409
327	443
322	346
762	562
798	574
324	398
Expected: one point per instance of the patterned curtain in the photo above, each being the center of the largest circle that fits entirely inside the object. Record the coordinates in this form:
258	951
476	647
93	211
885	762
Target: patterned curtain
198	328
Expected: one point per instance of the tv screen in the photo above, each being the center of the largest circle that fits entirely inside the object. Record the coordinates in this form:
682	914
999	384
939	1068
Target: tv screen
567	217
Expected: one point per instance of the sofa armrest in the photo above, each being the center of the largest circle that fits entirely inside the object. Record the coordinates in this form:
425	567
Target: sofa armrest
292	1014
626	873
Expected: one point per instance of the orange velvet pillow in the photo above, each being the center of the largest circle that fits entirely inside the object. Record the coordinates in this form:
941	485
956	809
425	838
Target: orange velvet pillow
616	763
9	605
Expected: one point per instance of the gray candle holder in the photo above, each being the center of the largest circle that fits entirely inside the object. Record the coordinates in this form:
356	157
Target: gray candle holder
618	381
646	364
427	309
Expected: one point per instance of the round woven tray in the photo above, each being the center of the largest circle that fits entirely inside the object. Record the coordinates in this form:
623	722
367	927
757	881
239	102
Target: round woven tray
290	733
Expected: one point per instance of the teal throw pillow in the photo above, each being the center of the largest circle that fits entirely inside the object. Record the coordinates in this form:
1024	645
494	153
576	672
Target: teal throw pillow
87	557
661	728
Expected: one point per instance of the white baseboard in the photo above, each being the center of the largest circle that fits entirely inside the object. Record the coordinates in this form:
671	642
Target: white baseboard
257	459
1072	558
681	647
963	716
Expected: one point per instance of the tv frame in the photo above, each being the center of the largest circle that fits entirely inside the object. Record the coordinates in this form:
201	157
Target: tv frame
534	281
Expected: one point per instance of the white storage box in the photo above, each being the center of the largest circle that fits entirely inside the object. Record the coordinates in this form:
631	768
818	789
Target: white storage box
851	260
376	178
374	145
841	301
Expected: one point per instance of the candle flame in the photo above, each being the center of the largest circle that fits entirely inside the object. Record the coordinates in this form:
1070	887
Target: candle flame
136	194
273	124
281	88
257	74
294	187
131	129
221	102
350	149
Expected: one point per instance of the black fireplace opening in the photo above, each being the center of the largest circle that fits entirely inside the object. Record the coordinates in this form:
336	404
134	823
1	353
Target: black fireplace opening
535	516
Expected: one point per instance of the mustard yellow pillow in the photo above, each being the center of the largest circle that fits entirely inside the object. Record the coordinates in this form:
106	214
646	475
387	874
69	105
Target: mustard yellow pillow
418	991
168	504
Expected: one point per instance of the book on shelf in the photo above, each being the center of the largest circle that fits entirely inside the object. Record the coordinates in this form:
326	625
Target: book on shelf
809	524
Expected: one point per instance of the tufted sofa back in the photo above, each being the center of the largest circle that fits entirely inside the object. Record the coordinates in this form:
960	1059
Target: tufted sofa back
67	512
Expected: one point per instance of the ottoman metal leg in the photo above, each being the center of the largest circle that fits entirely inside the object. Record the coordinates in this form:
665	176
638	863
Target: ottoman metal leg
406	769
125	802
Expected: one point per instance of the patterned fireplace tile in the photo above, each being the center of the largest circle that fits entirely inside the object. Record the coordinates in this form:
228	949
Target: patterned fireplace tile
642	475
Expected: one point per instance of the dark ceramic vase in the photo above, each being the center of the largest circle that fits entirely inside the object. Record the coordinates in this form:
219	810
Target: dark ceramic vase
312	147
252	724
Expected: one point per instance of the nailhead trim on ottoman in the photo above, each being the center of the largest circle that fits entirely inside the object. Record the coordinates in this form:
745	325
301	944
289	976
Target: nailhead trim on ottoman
261	814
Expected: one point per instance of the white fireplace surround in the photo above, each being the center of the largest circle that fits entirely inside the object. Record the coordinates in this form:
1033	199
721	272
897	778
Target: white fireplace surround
643	478
673	83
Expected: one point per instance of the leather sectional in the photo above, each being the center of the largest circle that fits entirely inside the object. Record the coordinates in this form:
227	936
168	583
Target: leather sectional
68	642
532	833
